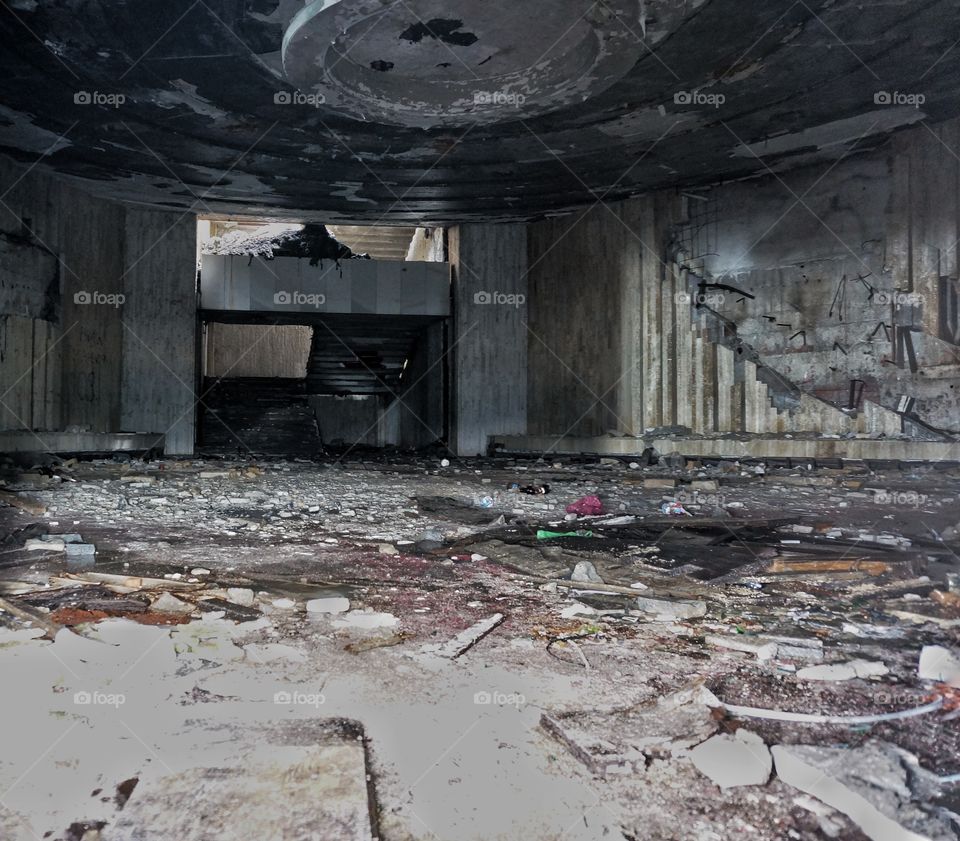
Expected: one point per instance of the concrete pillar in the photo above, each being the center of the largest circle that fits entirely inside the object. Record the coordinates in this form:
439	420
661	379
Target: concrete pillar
489	336
159	327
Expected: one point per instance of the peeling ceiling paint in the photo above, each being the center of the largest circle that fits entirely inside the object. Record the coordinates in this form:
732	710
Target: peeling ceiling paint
164	103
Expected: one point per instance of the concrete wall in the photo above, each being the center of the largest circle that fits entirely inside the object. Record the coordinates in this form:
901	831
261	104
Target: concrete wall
923	233
812	245
489	334
420	409
348	420
585	333
252	350
59	356
160	374
810	315
614	347
80	279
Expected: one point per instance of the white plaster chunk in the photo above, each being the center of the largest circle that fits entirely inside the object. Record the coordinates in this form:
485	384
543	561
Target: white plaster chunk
167	603
586	571
34	545
939	664
241	596
738	760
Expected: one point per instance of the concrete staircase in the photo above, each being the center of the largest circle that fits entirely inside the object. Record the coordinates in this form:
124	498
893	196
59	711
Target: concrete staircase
258	416
712	383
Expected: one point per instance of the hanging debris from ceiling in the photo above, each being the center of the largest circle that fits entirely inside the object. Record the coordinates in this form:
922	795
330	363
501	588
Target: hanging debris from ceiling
314	242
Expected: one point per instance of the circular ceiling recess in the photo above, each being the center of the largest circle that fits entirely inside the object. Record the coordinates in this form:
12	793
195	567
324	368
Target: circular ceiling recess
431	63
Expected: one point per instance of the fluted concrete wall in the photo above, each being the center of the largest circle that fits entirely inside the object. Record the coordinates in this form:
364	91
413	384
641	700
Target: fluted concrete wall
160	376
489	342
59	354
97	312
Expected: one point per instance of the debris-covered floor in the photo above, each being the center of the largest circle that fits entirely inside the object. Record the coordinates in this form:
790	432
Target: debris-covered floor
405	648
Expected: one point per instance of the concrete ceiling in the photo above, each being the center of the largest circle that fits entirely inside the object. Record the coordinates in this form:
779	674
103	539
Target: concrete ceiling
430	112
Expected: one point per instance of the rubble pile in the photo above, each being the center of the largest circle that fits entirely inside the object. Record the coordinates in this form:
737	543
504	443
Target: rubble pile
781	658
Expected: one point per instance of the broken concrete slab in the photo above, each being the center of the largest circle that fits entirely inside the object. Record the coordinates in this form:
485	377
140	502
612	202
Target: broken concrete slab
617	743
871	785
466	639
664	610
40	545
79	550
275	792
741	759
798	648
762	648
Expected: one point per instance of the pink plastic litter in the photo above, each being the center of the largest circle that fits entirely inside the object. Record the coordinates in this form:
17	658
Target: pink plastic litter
586	506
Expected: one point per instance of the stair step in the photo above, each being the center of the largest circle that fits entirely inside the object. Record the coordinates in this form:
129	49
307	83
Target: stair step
261	416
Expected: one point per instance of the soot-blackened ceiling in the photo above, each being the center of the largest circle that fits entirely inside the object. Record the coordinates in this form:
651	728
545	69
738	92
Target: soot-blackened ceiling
425	111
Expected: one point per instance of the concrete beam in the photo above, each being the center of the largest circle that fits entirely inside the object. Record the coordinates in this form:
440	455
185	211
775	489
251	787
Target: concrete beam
78	442
290	284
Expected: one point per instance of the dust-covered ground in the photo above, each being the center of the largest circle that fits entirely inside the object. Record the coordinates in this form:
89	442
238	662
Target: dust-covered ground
385	647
